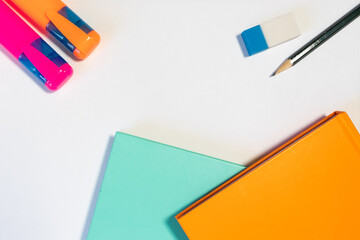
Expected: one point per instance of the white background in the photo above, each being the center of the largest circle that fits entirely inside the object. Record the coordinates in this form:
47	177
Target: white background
171	71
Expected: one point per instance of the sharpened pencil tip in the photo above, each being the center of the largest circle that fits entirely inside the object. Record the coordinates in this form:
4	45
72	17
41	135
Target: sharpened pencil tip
285	65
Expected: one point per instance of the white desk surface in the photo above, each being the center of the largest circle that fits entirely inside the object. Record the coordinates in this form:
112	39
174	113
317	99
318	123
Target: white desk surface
171	71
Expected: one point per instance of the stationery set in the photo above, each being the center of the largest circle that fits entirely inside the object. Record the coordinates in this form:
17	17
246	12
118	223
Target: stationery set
306	189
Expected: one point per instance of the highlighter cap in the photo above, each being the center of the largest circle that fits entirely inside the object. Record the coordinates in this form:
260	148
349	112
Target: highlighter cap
49	67
31	51
75	34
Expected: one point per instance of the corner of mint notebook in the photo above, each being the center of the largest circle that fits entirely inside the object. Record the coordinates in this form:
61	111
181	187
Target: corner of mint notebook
146	184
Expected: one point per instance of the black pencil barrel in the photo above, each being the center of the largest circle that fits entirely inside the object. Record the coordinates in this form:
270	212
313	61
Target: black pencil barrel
325	35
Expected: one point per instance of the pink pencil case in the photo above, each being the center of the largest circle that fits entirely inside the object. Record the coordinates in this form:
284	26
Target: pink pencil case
31	50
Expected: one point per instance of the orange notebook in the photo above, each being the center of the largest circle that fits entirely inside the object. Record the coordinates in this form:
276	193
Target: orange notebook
307	189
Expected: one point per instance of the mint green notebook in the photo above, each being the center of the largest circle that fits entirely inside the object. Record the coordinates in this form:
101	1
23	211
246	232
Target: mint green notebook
146	184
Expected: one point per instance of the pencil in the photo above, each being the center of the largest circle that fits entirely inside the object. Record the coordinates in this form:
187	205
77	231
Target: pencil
318	40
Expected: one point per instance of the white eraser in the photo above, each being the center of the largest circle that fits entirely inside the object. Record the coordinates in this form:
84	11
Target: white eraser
271	33
280	29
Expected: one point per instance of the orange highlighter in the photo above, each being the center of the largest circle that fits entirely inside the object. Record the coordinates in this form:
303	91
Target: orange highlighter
61	22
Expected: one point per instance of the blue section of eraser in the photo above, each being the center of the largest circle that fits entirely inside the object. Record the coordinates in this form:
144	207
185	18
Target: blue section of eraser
254	40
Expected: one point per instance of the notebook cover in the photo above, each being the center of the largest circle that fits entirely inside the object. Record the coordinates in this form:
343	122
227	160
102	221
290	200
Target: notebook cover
307	189
146	184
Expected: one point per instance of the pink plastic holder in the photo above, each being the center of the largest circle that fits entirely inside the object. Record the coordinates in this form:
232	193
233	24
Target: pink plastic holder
33	52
